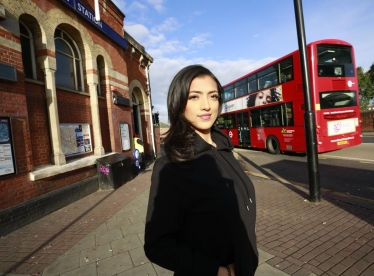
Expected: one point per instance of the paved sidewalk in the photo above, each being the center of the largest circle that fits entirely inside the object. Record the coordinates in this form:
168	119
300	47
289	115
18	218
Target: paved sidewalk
102	234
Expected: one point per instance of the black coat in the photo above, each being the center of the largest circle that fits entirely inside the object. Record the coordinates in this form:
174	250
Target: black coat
202	217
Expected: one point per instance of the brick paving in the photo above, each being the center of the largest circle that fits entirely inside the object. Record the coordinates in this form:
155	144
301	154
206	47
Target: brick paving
335	237
32	248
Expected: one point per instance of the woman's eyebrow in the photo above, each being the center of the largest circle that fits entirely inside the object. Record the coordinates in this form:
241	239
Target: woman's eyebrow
200	92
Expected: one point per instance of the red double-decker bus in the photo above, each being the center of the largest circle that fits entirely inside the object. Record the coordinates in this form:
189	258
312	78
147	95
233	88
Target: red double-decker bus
265	108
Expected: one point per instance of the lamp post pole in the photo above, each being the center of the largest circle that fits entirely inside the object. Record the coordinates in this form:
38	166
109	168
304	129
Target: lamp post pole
309	116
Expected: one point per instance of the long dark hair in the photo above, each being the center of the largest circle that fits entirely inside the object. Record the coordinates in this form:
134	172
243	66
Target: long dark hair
179	140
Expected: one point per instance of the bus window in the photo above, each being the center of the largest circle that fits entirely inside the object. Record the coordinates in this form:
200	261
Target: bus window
221	122
268	77
241	88
337	99
226	121
252	83
287	115
255	118
228	93
230	121
286	70
275	114
265	117
335	61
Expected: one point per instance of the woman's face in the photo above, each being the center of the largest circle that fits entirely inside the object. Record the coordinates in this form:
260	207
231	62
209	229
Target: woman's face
202	104
263	97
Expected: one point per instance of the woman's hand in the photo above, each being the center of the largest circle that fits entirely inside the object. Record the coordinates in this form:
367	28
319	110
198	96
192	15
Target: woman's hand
222	270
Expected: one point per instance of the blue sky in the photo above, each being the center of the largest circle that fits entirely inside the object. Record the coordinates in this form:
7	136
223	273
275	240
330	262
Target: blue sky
232	38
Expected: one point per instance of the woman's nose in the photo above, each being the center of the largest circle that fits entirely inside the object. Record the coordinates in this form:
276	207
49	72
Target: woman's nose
205	104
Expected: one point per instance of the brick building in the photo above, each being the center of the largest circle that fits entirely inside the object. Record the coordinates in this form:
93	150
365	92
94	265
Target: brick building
72	89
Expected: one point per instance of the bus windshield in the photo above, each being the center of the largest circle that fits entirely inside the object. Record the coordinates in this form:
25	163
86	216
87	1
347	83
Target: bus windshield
335	61
337	99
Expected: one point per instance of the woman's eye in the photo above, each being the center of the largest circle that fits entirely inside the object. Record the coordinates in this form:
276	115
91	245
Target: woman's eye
215	96
193	97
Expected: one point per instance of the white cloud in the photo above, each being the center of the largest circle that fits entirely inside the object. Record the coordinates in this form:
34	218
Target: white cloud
157	4
137	6
169	24
167	47
154	40
137	31
200	40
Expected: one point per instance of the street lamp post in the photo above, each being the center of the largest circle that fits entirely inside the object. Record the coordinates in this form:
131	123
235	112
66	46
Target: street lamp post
309	116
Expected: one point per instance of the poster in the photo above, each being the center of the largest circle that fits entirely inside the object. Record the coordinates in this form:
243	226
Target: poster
75	139
125	136
7	161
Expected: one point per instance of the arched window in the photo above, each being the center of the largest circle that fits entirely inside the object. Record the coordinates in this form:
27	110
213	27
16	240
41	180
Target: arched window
69	71
100	74
98	79
134	99
28	54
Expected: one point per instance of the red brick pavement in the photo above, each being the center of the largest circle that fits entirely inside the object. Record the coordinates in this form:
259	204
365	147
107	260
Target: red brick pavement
35	246
330	238
335	237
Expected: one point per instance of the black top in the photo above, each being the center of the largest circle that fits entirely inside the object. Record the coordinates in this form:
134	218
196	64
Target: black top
202	217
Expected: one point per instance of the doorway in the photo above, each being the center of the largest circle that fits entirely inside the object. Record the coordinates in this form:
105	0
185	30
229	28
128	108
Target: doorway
243	129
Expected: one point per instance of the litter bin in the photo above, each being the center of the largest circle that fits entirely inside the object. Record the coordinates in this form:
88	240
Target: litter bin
114	170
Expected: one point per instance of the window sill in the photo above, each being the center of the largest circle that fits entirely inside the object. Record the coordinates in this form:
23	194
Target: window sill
73	91
34	81
53	170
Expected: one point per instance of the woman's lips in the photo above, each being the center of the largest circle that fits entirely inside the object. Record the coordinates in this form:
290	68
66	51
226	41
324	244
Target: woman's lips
205	116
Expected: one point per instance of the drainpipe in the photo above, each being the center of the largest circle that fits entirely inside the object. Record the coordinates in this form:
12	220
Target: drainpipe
150	108
97	11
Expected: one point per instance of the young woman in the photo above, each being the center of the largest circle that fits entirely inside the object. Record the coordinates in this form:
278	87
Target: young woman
202	210
264	97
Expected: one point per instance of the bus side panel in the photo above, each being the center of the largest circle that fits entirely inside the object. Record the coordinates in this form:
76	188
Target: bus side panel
233	134
290	138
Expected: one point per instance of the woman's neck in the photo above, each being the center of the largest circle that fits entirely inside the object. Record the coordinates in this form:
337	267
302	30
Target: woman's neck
207	136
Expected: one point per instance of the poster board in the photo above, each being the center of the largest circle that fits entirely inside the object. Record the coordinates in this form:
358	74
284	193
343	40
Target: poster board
7	160
125	136
75	139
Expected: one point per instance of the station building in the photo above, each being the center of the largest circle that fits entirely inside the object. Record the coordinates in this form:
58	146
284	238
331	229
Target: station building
72	90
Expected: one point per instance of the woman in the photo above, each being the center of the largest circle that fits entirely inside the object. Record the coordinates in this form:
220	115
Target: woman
264	97
201	211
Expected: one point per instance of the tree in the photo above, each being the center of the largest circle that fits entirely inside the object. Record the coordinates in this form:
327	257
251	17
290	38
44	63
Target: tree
366	86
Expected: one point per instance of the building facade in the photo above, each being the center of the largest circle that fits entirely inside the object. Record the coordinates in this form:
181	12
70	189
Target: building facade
72	89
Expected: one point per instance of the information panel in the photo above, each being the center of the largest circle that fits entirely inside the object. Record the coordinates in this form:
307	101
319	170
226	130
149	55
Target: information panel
75	139
7	161
125	136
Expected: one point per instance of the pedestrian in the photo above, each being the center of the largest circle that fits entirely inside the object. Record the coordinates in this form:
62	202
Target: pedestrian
202	210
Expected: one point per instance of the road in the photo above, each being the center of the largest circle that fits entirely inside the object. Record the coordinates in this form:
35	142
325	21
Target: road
349	171
368	139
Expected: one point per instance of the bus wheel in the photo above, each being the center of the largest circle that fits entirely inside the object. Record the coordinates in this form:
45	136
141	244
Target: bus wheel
272	145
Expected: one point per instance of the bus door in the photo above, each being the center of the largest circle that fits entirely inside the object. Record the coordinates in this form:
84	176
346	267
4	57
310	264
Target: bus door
243	129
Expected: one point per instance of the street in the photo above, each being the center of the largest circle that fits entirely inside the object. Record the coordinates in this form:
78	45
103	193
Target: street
349	171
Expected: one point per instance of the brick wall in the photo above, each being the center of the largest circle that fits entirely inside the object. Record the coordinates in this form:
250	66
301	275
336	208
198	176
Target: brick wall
20	189
25	101
39	125
367	118
157	140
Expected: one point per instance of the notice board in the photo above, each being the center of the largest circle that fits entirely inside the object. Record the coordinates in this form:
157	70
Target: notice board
7	160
